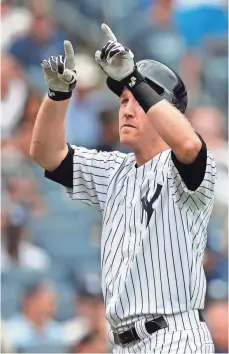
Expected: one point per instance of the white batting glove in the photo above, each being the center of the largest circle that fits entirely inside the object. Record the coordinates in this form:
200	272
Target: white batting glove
60	74
116	60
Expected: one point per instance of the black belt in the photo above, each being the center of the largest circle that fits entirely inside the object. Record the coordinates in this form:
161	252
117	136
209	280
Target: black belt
131	335
150	326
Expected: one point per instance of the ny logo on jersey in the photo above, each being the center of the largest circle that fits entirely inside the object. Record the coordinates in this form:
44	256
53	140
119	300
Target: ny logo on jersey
148	204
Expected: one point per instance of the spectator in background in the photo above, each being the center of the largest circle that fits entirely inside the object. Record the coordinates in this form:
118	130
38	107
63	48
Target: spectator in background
89	310
216	271
41	7
35	325
89	303
210	123
6	346
157	37
19	180
31	108
22	137
43	38
161	12
90	343
15	23
13	95
16	251
217	319
85	105
197	20
6	207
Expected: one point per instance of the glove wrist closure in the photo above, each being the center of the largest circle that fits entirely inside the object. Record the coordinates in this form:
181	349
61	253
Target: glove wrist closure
141	90
58	95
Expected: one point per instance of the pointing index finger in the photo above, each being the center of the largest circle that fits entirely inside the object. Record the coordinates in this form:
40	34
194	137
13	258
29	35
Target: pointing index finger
108	32
68	48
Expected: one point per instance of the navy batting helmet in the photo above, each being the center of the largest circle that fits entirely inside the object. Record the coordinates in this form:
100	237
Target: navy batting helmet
162	79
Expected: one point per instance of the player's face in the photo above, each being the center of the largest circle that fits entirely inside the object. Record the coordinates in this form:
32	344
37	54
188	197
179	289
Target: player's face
135	129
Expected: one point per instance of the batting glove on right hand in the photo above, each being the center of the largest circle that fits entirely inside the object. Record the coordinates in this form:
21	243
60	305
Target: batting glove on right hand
60	74
116	60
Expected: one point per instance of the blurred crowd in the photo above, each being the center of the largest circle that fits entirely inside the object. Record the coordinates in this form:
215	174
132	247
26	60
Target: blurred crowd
51	297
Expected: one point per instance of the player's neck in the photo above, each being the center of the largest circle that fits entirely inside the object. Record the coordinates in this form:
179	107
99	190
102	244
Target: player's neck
147	153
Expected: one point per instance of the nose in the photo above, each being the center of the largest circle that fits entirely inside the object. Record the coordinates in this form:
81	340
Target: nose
128	115
129	110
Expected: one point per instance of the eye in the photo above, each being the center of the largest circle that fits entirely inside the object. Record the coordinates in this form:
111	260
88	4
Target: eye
124	101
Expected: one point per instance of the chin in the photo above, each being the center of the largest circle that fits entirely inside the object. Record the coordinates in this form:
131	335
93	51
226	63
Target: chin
127	140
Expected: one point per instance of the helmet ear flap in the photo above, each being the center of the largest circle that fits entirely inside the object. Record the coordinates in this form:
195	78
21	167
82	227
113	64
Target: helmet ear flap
181	94
182	105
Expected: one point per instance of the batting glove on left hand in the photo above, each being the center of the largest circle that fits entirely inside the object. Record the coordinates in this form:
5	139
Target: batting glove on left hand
116	60
60	74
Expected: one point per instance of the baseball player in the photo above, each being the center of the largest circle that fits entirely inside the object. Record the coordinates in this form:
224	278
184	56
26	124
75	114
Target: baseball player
156	202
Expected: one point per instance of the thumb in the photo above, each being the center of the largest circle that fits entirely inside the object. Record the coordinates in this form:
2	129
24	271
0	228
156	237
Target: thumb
98	58
68	76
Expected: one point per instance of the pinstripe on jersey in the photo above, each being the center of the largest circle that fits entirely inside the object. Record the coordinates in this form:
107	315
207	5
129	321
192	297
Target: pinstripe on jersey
154	232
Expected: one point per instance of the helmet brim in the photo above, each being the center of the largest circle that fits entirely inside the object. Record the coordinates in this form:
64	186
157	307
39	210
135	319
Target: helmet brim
165	81
115	86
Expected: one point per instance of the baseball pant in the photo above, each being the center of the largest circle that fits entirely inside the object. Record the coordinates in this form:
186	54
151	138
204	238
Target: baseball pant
184	334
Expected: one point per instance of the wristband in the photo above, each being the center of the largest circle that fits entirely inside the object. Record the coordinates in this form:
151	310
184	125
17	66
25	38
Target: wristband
141	90
146	96
58	95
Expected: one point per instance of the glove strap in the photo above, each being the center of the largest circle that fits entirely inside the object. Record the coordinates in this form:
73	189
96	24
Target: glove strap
141	90
134	79
59	96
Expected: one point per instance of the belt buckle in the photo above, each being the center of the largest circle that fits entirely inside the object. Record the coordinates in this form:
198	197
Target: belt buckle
131	331
124	337
116	338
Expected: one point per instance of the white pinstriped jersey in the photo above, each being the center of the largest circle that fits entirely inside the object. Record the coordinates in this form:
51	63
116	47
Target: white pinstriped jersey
154	232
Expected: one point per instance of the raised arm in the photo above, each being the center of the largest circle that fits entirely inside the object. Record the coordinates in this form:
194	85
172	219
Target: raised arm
48	145
119	64
175	130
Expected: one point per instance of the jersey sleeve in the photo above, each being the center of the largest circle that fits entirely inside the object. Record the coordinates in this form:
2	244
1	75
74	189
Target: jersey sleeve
91	174
203	194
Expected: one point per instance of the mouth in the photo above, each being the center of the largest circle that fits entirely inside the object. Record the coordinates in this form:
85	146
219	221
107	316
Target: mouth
128	126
